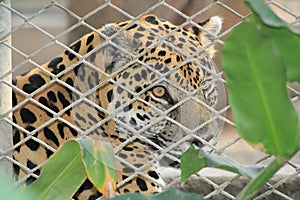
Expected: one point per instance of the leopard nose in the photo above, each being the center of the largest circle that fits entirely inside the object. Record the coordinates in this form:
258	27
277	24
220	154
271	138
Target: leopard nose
198	143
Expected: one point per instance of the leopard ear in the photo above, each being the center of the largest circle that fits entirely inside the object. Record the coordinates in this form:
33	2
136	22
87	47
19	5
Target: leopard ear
113	56
212	28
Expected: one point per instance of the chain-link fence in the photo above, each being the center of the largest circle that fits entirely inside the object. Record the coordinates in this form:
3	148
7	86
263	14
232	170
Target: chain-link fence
33	32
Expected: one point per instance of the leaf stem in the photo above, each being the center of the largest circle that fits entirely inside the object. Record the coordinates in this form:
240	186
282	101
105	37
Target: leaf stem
258	182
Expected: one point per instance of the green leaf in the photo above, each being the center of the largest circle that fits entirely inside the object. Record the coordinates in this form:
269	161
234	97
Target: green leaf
261	54
191	162
224	162
258	95
285	37
71	165
194	159
288	45
62	174
170	194
8	191
99	163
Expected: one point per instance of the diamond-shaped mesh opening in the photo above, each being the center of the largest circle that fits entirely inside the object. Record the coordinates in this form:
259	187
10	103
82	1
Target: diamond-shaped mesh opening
108	11
189	9
83	121
172	13
54	14
134	11
31	45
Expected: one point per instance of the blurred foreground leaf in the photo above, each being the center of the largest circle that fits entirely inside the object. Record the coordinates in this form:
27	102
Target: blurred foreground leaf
8	191
99	163
62	174
172	194
258	59
256	76
67	169
285	38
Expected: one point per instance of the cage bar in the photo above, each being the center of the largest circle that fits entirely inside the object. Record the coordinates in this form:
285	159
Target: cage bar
5	90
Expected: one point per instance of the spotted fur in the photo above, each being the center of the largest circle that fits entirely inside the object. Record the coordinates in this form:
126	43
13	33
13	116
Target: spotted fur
125	82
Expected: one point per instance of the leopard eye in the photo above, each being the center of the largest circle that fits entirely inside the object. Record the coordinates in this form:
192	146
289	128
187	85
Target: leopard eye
205	85
159	91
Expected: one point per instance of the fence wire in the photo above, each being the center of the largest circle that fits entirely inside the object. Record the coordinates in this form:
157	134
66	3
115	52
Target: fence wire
42	29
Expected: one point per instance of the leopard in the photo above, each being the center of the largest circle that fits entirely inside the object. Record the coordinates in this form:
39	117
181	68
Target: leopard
144	85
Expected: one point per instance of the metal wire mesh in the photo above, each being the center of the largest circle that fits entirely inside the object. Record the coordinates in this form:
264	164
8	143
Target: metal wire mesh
41	29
